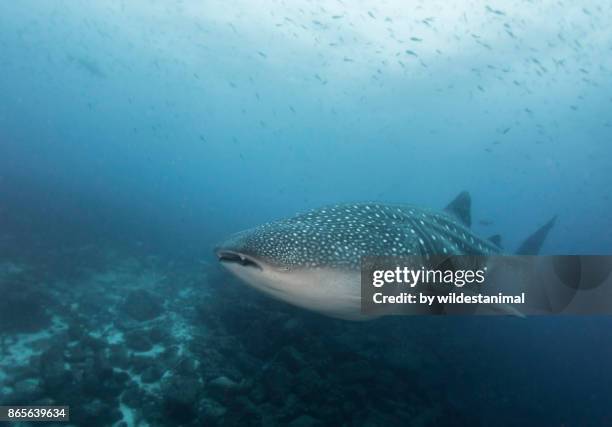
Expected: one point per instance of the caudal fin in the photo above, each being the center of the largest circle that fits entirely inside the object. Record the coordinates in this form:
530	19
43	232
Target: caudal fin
533	243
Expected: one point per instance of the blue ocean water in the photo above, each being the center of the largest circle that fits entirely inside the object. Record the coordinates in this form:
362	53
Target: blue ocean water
135	135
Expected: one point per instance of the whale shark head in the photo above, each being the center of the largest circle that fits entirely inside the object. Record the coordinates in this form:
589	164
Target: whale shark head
282	261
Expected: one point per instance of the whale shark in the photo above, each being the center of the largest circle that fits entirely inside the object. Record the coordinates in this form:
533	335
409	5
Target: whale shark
313	259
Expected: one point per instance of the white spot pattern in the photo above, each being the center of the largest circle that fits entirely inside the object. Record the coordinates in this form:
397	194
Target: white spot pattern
341	235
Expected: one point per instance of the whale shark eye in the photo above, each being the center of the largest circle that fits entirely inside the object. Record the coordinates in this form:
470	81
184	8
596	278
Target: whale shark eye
237	258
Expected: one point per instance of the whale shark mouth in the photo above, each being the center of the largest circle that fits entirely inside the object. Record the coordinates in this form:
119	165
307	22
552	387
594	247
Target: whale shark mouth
231	257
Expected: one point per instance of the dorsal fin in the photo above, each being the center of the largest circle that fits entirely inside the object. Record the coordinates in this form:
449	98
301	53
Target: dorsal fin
461	208
496	240
533	243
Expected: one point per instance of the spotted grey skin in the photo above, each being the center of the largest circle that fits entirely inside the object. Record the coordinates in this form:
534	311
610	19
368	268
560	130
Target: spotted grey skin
339	236
313	259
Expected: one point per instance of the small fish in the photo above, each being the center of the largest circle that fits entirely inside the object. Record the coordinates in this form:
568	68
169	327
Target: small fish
88	65
494	11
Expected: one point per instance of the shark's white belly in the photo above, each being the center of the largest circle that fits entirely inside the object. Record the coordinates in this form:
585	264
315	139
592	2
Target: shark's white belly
333	292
